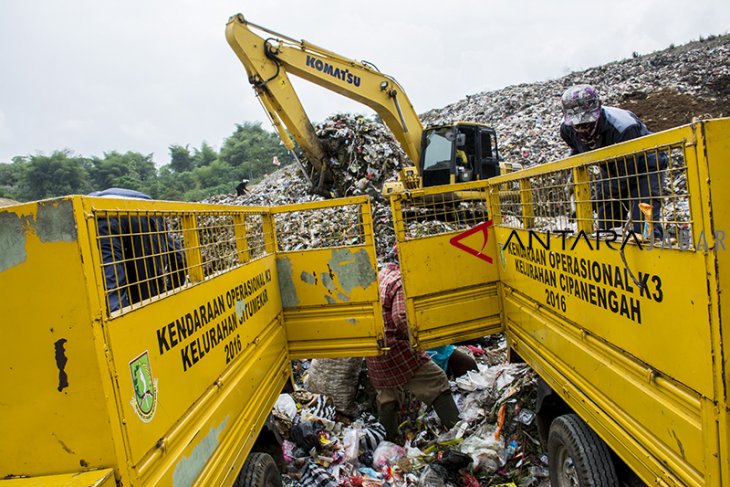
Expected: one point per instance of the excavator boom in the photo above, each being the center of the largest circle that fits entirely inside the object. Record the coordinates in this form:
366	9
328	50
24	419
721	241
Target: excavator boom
269	58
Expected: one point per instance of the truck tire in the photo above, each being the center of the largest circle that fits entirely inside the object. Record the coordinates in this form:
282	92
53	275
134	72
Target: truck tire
259	471
577	456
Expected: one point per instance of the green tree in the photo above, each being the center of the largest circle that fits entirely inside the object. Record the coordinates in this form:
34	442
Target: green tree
180	159
204	156
11	176
56	175
215	174
172	185
250	150
130	170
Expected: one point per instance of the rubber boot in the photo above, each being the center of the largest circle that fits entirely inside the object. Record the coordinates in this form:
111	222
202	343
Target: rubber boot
446	409
460	363
388	417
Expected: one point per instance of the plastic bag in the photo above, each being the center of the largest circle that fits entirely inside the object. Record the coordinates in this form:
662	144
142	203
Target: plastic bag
337	378
386	454
432	477
484	449
286	406
351	442
485	378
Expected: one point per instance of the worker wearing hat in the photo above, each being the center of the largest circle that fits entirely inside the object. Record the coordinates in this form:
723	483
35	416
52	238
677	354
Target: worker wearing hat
625	182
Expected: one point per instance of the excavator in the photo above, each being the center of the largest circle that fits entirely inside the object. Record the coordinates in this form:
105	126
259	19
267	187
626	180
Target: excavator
443	154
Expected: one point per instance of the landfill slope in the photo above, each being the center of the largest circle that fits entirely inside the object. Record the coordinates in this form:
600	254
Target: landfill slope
496	441
665	89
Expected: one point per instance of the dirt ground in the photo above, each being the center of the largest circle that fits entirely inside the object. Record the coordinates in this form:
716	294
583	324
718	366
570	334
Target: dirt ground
667	108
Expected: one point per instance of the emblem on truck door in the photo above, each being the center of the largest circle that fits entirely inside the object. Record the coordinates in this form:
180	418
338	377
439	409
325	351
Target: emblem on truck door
144	401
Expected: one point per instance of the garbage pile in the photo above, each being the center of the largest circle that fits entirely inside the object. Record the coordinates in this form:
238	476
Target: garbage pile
494	443
666	89
329	440
361	155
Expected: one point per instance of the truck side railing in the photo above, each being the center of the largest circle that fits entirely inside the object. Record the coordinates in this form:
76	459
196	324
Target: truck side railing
610	265
154	337
566	199
150	253
451	285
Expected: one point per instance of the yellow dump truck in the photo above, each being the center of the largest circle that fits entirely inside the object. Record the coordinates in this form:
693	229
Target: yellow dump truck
626	329
145	342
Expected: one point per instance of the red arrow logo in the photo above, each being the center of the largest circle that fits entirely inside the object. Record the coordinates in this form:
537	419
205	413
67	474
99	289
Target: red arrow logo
482	227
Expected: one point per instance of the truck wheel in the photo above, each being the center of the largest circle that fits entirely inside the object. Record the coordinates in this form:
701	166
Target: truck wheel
259	471
577	456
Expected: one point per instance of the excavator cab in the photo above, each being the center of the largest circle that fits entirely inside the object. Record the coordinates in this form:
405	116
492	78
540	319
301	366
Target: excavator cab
458	153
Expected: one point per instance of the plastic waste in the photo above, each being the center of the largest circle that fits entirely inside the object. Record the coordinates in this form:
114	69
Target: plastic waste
454	460
306	434
286	406
432	477
484	449
525	416
351	442
287	451
386	454
479	380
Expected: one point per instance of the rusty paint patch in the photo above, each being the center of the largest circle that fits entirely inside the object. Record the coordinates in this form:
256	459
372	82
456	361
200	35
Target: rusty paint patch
328	281
343	297
309	278
352	321
55	222
61	361
188	468
12	241
288	290
352	270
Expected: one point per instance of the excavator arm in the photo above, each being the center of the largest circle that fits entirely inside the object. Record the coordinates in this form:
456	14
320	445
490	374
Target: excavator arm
269	58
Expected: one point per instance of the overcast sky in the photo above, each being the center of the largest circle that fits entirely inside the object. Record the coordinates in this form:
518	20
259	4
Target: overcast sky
94	76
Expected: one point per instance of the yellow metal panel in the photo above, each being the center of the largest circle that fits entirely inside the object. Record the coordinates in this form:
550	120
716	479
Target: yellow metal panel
594	288
643	365
583	204
327	275
192	243
173	387
330	300
53	410
451	294
95	478
448	260
211	443
190	338
717	146
641	416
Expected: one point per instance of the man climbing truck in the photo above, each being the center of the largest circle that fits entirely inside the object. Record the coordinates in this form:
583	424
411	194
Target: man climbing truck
433	151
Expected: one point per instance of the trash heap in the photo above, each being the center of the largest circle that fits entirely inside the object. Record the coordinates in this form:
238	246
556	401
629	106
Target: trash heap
361	155
665	89
334	440
330	439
